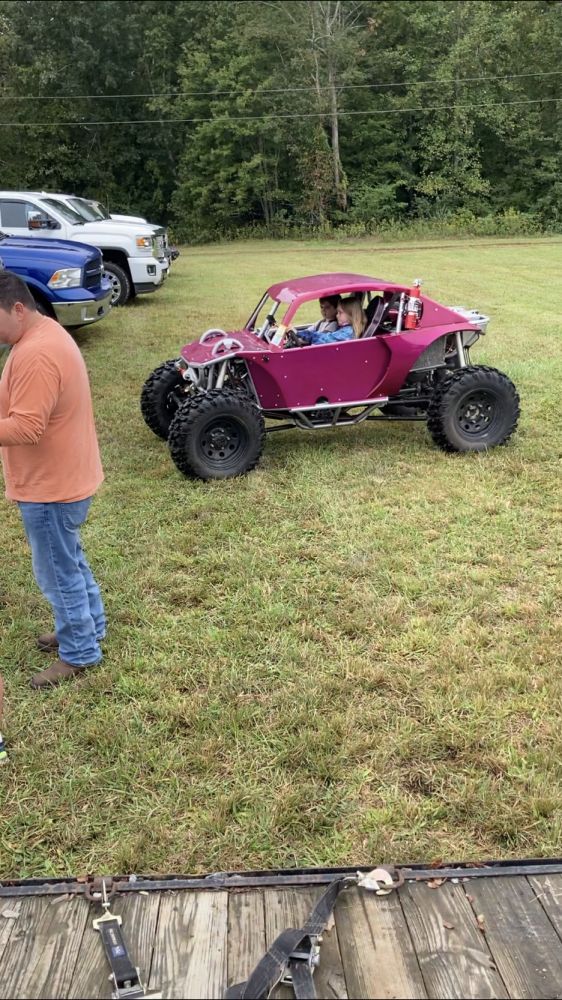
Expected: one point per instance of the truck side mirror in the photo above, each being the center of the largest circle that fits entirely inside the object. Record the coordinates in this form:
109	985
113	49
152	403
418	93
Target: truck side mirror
40	221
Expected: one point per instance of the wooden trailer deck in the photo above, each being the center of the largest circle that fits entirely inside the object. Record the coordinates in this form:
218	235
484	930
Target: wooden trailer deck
496	934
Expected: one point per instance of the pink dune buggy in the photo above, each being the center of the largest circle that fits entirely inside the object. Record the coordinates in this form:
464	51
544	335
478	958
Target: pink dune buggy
411	362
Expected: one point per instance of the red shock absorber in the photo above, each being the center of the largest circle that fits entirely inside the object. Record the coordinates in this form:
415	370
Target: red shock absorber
413	307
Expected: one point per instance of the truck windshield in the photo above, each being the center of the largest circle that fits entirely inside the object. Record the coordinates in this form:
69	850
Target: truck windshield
68	213
85	210
98	207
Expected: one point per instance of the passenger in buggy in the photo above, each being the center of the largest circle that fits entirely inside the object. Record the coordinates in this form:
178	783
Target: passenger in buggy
350	323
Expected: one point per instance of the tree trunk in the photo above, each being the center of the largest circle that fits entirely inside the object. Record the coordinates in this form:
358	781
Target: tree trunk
265	196
333	27
339	184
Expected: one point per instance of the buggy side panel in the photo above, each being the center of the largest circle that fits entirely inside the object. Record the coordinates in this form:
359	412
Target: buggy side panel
406	350
343	372
335	373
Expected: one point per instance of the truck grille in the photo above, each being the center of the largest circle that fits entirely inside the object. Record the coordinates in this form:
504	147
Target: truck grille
158	246
92	273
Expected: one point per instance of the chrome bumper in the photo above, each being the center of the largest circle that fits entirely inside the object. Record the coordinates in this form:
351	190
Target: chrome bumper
82	313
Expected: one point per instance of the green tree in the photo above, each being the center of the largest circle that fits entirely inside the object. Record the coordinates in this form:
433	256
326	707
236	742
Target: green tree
285	112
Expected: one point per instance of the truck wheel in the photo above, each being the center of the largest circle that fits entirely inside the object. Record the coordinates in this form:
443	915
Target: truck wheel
217	435
42	309
162	393
120	283
473	409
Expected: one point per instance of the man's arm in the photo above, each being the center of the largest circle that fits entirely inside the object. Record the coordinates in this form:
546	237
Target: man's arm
34	393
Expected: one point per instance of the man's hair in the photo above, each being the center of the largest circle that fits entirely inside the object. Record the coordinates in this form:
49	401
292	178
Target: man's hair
12	290
334	300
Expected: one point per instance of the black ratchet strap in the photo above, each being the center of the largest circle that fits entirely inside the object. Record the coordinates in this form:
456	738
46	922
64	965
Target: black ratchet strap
125	977
293	955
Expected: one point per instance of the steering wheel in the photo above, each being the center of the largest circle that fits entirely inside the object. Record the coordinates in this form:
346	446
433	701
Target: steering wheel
292	338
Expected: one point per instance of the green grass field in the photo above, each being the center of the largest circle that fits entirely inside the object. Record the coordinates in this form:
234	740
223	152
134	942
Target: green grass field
352	655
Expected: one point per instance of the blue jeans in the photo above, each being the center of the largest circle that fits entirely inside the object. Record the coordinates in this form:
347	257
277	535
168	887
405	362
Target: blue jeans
64	577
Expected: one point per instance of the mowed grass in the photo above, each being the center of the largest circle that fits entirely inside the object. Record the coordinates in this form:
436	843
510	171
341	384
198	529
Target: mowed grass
352	655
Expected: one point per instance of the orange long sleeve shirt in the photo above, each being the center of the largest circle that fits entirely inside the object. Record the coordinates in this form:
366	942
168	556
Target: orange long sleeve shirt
47	433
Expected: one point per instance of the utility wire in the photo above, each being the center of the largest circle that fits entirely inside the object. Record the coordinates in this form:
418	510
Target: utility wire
251	118
279	90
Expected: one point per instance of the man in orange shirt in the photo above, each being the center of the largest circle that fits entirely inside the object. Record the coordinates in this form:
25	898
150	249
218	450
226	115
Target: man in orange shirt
52	469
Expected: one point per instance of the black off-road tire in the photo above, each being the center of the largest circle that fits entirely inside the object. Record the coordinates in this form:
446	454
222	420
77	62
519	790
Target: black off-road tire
161	397
473	409
217	435
120	281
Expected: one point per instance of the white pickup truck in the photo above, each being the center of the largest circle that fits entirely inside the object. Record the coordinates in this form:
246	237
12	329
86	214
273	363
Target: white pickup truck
130	252
90	213
101	212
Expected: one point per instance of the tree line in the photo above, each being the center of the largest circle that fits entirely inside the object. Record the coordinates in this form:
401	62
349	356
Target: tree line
290	115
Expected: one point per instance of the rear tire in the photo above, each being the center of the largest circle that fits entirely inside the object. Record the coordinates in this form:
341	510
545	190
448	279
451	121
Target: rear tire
162	394
120	283
473	409
217	435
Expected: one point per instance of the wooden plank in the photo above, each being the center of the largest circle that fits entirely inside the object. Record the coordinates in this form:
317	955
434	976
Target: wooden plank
548	890
523	942
290	908
246	933
190	948
43	948
140	915
379	960
454	958
8	924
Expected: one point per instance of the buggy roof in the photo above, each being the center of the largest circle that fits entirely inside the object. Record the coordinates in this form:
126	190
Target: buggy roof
317	285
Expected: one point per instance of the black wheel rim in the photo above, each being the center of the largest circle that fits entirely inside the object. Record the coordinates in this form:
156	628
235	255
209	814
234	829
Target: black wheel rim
478	413
222	442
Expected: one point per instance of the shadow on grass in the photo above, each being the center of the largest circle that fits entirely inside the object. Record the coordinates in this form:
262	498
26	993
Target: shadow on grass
385	436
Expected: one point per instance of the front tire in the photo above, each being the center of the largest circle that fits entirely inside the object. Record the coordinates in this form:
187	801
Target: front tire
474	409
120	283
162	394
217	435
41	309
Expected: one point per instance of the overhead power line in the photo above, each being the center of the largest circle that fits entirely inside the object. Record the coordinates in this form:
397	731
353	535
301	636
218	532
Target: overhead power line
277	90
254	118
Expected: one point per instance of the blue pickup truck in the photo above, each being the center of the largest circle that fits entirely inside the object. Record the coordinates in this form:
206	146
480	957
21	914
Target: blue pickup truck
66	279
